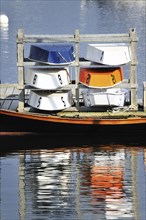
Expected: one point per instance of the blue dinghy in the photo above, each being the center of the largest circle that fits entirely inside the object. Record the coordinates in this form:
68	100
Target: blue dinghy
53	54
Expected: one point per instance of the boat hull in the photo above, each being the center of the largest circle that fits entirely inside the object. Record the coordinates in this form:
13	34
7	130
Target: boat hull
35	122
101	78
110	97
108	54
53	54
47	78
46	100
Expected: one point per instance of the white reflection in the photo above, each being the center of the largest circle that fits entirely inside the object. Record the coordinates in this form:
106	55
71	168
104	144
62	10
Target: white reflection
53	175
4	32
83	13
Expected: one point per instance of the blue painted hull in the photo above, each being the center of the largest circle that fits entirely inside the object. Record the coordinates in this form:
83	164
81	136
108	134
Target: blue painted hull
53	54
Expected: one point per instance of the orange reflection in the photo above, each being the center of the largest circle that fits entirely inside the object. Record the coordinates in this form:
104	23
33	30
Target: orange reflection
106	181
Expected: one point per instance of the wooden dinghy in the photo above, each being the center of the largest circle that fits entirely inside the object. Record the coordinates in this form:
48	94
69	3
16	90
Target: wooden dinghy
108	54
53	54
110	97
48	78
73	123
101	77
50	101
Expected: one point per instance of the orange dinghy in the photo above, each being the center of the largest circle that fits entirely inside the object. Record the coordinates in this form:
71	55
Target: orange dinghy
101	77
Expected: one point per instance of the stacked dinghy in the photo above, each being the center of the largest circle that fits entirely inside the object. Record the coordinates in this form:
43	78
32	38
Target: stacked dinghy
47	82
101	82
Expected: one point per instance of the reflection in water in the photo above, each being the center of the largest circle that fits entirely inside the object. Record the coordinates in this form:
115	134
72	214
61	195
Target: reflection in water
4	48
4	32
4	35
78	183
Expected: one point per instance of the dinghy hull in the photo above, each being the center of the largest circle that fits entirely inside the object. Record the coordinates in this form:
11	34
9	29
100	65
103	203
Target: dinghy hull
108	54
53	54
101	77
47	78
110	97
45	100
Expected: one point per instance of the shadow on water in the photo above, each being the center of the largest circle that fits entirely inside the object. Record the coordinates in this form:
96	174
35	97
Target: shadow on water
22	140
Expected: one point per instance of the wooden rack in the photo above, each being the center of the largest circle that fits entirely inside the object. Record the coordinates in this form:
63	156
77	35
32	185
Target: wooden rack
77	38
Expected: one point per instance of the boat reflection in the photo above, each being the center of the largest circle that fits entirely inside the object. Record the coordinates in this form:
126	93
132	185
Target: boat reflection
78	183
108	184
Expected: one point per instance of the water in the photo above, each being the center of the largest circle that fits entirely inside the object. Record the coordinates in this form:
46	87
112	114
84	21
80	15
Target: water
73	180
76	182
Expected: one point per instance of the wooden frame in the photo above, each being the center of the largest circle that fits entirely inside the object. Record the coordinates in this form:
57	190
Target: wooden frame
130	38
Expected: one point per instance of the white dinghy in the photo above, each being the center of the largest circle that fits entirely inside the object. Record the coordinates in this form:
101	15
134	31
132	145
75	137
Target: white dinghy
50	101
47	78
110	97
108	54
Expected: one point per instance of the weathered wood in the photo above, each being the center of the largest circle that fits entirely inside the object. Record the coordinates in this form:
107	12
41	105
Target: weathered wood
130	38
8	85
20	67
77	66
83	38
133	75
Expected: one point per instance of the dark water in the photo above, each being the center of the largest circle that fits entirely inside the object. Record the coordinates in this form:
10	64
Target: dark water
73	181
77	180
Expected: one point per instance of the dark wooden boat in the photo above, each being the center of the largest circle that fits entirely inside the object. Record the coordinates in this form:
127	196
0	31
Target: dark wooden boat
71	123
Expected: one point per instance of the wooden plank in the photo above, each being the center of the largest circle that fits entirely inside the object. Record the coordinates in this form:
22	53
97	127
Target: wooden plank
105	38
13	105
8	85
6	104
9	104
1	103
3	92
71	38
7	90
48	38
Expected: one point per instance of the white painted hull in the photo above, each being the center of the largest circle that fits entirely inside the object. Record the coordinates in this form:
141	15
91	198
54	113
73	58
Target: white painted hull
48	78
110	97
108	54
45	100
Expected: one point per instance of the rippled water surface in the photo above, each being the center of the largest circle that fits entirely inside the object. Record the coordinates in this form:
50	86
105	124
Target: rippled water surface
76	182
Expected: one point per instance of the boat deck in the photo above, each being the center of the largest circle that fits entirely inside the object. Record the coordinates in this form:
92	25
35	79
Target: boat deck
9	98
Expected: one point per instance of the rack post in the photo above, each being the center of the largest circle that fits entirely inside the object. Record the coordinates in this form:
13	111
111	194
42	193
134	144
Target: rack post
133	75
20	69
76	36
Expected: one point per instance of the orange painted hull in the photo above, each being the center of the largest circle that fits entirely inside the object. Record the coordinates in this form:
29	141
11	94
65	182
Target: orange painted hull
101	78
88	120
86	127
